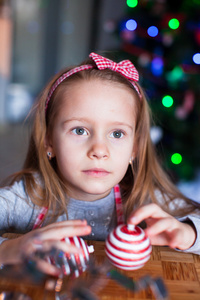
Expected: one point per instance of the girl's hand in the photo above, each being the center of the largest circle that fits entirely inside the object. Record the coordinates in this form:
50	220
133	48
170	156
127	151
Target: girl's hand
14	251
163	229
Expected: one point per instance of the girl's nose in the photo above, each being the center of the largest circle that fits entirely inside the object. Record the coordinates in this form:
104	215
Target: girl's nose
98	151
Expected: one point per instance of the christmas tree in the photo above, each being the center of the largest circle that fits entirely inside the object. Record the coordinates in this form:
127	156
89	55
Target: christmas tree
162	39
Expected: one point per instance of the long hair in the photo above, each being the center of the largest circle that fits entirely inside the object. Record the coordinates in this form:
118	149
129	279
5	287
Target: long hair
142	179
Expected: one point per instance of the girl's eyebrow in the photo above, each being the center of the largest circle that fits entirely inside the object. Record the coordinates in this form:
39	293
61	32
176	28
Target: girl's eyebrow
75	119
123	124
86	120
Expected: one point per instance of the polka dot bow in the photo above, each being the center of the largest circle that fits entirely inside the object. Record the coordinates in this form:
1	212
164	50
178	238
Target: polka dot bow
124	67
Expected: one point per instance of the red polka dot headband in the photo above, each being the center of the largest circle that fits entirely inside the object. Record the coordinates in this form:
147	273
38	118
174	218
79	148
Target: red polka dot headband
125	67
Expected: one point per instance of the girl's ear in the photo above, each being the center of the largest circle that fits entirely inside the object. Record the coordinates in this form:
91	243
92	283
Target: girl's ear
48	146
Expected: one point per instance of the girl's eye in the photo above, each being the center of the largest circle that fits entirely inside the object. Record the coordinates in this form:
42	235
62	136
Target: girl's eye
79	131
118	134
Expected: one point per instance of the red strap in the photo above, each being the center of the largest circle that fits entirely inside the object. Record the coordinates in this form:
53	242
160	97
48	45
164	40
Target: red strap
40	217
119	206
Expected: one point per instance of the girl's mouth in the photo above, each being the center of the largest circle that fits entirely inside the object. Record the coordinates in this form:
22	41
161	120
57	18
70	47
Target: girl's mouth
96	172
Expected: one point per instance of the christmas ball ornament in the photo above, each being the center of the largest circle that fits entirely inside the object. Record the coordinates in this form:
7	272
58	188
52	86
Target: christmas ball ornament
73	264
128	247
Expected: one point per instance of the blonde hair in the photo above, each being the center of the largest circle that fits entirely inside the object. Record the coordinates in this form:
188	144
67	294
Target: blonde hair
141	180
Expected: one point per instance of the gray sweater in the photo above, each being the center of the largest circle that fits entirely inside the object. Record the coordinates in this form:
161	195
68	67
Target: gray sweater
18	214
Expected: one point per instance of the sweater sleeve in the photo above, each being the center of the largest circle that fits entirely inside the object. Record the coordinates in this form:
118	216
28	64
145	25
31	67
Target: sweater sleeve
195	249
17	213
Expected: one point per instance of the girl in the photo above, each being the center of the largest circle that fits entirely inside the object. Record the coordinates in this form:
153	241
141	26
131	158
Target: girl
91	133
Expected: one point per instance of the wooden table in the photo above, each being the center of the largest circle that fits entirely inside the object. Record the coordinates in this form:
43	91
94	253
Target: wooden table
180	273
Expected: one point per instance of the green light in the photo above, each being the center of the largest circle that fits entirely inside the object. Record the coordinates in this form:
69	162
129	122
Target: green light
167	101
132	3
176	158
173	23
176	74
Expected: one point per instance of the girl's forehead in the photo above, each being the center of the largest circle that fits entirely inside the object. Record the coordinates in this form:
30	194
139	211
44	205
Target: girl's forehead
97	99
96	85
96	90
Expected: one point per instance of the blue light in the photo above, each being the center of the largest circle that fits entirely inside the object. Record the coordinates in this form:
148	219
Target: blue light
131	25
152	31
196	58
157	66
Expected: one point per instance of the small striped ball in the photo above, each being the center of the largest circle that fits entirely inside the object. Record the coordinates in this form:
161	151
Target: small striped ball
73	264
127	247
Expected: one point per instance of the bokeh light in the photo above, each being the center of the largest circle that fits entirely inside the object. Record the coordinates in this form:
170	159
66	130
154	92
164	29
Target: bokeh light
157	66
196	58
176	158
131	25
176	74
152	31
132	3
173	23
167	101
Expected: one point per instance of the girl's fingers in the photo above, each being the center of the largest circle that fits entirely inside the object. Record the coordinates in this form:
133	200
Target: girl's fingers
160	226
163	229
50	236
59	232
65	224
62	232
148	211
32	241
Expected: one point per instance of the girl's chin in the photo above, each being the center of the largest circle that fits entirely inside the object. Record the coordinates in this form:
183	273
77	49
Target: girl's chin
90	194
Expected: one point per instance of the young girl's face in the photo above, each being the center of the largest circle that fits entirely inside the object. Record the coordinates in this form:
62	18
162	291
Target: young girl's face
93	137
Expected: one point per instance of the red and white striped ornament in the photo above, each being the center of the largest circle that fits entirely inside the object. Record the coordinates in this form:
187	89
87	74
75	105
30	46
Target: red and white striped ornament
75	264
128	247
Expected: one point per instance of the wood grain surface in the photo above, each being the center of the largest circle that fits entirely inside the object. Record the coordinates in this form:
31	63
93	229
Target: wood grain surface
179	271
